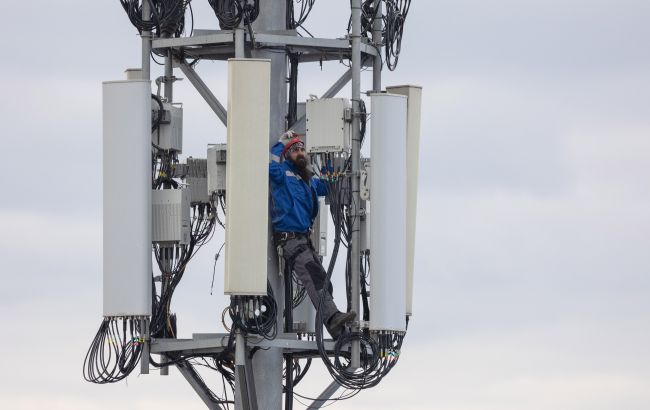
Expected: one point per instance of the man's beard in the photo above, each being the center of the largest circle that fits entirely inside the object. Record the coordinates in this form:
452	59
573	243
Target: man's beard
303	168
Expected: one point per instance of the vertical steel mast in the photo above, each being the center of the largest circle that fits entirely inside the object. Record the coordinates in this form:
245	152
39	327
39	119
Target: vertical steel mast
268	363
355	261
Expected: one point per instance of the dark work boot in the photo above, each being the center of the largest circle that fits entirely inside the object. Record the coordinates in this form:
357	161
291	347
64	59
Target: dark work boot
337	323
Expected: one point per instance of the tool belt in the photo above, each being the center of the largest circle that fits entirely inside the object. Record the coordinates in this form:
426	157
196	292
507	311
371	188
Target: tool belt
280	237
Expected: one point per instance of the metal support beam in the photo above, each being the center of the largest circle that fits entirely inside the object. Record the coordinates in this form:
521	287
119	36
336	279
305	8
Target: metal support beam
214	343
221	37
242	401
263	38
288	327
168	81
356	154
197	384
164	369
204	91
288	398
146	43
338	85
221	44
250	381
282	40
169	77
144	357
324	396
240	41
243	382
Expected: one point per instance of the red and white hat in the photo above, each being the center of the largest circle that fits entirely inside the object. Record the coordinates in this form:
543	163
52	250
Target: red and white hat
294	141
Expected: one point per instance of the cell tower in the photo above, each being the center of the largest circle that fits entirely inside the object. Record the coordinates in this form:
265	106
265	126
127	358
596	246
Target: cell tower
155	202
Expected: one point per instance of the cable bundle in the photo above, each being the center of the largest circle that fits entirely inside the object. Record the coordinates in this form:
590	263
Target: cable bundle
227	377
163	165
172	259
305	8
157	116
379	353
115	351
218	200
170	15
167	17
228	13
298	291
394	19
298	371
255	315
368	14
133	9
223	362
202	224
294	288
231	12
251	11
365	267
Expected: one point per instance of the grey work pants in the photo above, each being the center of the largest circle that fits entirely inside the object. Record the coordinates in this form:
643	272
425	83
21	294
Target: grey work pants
310	272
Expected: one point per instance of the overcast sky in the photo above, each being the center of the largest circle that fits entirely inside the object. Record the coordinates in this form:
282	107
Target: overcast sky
533	252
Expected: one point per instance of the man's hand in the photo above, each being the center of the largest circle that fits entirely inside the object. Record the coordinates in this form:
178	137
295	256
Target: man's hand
287	136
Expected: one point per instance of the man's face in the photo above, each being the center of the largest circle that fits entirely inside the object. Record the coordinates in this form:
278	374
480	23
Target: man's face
298	156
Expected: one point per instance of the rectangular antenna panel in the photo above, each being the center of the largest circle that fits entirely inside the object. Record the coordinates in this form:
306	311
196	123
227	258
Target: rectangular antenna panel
126	153
414	94
247	176
388	213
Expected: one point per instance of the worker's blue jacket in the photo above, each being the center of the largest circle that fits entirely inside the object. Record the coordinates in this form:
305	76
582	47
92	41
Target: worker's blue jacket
294	203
